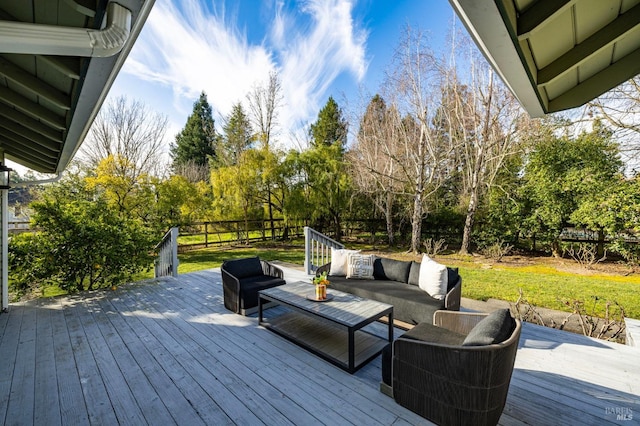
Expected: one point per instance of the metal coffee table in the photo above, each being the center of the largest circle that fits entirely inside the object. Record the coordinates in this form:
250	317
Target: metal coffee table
331	329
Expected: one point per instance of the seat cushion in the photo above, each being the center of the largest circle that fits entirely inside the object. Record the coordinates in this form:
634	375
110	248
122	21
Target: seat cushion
243	268
495	328
250	286
391	269
423	332
433	334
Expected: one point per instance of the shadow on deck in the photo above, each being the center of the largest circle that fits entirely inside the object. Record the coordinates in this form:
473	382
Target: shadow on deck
167	352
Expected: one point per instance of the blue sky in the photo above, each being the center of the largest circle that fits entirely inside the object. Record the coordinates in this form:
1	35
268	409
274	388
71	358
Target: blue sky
319	48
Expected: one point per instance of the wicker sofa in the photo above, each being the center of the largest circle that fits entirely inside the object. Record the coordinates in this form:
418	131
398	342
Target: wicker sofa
456	371
396	283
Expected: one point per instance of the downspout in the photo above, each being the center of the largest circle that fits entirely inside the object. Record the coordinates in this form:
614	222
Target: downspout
39	39
4	245
5	250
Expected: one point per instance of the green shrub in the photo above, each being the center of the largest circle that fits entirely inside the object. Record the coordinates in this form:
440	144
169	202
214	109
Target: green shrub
81	245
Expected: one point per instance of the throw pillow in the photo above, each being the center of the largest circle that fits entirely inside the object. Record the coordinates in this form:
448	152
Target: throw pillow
453	277
360	266
339	261
414	273
391	269
433	278
495	328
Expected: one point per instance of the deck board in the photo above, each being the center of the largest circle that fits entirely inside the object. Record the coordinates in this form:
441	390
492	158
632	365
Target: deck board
23	374
169	353
46	381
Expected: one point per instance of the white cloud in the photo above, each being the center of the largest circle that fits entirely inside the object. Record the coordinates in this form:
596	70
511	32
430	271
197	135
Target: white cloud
190	48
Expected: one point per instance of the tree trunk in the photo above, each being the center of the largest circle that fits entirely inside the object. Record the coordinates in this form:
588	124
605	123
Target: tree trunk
337	227
273	230
246	224
468	223
600	246
416	223
388	214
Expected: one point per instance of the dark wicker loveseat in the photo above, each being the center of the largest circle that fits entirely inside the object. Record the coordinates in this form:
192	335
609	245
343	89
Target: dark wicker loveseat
396	283
243	278
457	371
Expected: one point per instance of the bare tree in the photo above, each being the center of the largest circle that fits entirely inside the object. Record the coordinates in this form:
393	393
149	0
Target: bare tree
264	102
373	160
192	171
130	131
419	153
620	107
480	117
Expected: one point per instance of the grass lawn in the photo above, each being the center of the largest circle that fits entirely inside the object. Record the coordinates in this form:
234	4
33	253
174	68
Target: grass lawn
542	285
547	287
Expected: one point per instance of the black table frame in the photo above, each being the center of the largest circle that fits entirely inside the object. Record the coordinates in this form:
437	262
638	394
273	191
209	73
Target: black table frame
315	310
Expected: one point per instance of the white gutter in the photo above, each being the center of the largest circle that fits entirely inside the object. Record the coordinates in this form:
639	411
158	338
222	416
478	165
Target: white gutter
38	39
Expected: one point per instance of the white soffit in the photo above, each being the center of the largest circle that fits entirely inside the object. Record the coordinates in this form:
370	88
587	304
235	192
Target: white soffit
556	54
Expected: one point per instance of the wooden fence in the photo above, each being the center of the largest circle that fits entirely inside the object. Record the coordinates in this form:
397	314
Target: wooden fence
227	232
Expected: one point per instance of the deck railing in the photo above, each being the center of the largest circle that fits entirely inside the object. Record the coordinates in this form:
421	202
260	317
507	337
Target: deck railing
166	263
317	249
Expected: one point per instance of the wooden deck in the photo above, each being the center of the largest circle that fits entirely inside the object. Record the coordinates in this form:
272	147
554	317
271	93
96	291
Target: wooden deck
169	353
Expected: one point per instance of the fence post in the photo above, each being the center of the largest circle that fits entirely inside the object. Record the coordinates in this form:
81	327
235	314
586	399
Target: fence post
307	250
174	251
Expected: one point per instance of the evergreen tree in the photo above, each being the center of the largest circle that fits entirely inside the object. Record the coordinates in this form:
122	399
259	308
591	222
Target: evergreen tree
331	127
195	145
237	136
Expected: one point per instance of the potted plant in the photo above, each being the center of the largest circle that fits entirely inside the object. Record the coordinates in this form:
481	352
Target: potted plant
321	282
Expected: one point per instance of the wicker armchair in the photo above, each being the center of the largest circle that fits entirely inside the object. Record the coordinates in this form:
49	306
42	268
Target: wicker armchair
243	278
445	381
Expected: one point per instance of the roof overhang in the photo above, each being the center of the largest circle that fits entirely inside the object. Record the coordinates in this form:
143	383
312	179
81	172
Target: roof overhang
556	54
58	60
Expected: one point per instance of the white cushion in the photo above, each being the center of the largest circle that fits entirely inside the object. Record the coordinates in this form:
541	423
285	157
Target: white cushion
339	261
433	278
360	266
